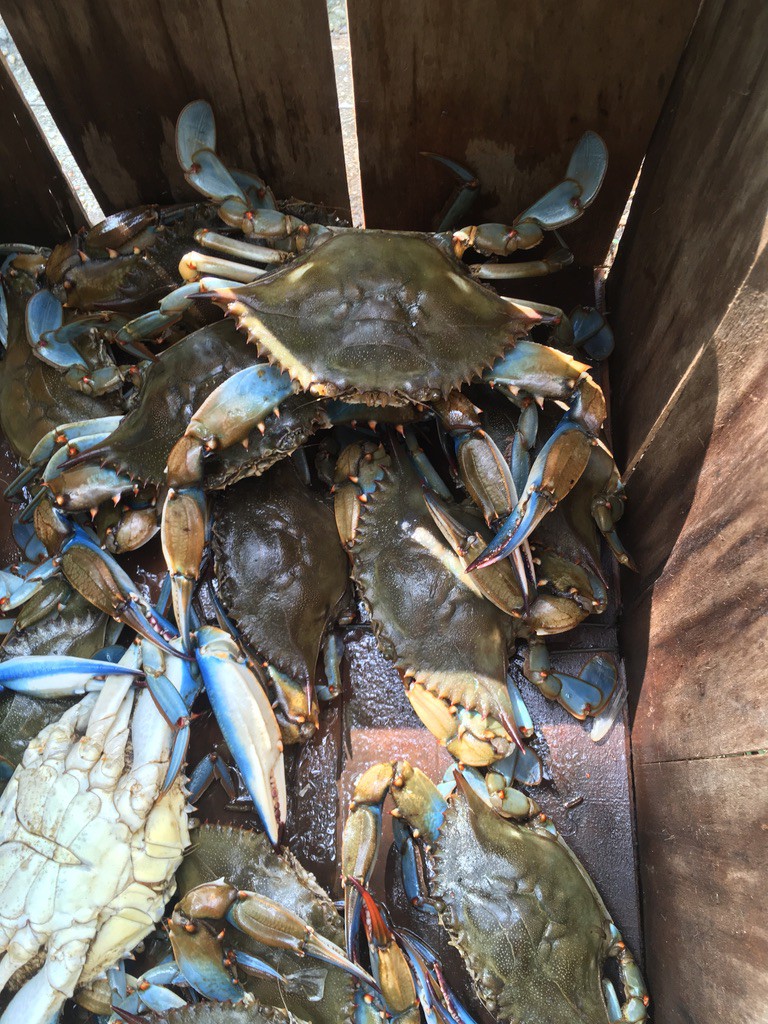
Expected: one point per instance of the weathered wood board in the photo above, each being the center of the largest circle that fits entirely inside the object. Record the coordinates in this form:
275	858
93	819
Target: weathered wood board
703	838
116	75
37	205
698	217
696	506
690	406
506	89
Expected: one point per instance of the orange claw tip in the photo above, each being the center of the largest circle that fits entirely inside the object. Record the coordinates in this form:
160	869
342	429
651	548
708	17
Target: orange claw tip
376	928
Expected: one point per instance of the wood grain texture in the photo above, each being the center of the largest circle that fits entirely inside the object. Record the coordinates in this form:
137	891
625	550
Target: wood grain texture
703	837
37	205
116	75
698	216
507	89
694	637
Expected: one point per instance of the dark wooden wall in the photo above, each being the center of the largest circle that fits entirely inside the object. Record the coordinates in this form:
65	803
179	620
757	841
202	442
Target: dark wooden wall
115	76
690	400
36	202
506	89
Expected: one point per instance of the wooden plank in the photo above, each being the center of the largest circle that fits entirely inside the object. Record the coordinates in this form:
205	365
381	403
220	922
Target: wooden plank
696	519
116	75
37	205
697	219
703	836
507	89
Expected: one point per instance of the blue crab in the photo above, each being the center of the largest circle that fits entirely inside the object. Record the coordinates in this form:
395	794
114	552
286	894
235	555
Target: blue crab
532	929
89	842
370	317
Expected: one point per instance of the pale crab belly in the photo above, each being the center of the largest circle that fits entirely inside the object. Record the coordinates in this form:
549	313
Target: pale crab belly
137	904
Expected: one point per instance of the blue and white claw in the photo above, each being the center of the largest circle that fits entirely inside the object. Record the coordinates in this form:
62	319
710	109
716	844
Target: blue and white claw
52	676
228	415
248	724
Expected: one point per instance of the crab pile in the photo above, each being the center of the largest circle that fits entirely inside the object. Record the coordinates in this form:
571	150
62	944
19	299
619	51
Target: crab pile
324	425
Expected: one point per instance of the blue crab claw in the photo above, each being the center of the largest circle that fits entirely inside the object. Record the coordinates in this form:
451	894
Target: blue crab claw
195	130
567	201
591	332
388	962
29	585
557	468
99	578
583	695
248	724
52	344
212	767
57	675
66	433
173	684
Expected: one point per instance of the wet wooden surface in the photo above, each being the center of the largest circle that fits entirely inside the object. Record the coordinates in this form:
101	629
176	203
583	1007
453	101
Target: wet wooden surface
37	205
507	89
690	413
115	77
702	833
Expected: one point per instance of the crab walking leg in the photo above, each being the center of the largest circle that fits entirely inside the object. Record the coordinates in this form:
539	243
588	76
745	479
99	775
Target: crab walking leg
248	724
559	259
562	205
389	963
416	799
547	374
227	416
46	447
198	952
99	578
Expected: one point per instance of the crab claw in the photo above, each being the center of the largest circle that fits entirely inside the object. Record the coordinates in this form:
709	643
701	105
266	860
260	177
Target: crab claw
183	532
254	915
500	583
198	953
557	468
57	675
173	684
248	724
388	962
98	577
273	925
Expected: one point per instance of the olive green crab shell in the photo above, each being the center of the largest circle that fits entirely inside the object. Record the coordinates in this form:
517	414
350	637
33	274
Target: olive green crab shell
525	915
222	1013
247	861
281	570
429	619
377	316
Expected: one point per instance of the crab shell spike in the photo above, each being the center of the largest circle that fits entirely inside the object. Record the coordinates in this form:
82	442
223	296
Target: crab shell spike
248	724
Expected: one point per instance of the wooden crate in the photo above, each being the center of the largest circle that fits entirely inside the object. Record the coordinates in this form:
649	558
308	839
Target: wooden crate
507	88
